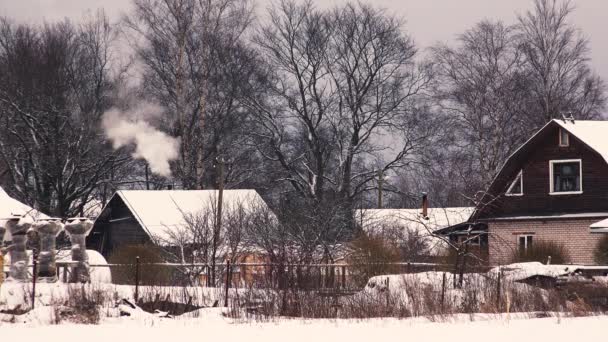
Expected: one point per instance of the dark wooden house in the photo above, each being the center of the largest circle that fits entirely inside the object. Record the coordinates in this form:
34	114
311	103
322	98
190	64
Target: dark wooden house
134	217
553	188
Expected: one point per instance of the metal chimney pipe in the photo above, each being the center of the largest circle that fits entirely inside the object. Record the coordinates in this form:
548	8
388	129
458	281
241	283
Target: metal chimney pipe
425	206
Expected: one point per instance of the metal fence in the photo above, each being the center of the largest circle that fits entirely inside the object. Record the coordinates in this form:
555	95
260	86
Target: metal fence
319	276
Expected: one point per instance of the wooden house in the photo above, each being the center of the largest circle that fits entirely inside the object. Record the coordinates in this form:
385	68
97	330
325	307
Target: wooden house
136	217
553	188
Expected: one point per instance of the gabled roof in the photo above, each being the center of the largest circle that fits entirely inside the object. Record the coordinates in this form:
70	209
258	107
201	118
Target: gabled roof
159	211
594	133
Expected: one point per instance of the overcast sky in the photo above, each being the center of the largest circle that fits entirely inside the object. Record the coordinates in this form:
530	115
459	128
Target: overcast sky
428	21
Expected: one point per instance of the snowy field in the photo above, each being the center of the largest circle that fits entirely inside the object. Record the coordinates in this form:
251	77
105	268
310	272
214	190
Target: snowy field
214	327
219	324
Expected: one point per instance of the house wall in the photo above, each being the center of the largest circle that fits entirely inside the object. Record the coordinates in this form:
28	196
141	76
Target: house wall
106	235
572	233
534	162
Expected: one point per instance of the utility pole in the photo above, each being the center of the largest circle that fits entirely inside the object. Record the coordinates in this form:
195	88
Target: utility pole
147	178
218	218
380	181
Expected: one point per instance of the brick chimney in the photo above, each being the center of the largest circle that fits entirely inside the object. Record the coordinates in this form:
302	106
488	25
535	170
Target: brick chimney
425	206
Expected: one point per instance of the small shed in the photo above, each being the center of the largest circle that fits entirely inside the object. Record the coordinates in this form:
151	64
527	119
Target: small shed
134	217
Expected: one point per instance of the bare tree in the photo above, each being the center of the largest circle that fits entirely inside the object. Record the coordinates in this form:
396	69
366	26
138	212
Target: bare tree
55	83
560	79
344	91
482	87
196	65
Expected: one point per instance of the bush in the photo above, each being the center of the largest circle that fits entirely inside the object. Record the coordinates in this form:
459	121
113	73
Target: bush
601	251
148	274
541	251
370	257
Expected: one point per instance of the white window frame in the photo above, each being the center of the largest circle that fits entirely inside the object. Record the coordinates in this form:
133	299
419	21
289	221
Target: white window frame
525	236
580	178
561	134
520	178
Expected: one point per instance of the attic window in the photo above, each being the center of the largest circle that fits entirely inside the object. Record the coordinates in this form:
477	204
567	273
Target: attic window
517	187
565	177
564	138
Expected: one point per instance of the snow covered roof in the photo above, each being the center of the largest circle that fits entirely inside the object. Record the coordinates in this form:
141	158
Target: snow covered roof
159	211
600	227
10	207
591	132
411	220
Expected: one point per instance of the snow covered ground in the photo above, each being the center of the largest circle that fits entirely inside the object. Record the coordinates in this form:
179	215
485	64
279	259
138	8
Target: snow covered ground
215	324
212	326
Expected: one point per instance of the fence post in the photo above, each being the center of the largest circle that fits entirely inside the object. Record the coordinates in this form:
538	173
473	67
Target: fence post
388	292
498	289
34	276
65	273
443	291
228	273
136	278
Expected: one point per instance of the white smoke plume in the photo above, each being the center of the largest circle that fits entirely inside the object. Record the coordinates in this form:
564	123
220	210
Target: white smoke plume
130	127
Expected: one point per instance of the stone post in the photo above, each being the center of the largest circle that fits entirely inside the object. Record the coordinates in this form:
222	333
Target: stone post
18	227
47	231
78	228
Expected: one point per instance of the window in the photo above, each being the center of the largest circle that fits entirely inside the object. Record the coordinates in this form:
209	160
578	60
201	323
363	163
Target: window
524	242
517	187
565	177
564	138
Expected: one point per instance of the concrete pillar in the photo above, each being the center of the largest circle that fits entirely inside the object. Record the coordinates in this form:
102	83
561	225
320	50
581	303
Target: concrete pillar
47	231
18	227
78	228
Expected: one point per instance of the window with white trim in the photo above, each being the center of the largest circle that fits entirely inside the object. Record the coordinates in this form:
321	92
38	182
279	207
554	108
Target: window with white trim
524	242
564	138
517	187
565	177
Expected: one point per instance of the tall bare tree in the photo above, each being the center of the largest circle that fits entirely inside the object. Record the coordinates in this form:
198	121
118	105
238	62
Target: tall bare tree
55	83
340	81
482	86
560	79
196	66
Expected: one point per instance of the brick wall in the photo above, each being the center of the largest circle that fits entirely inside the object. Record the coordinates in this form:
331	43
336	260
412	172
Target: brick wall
572	233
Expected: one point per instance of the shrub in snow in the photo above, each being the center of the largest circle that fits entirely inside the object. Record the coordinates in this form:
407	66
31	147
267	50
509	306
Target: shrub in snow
542	251
370	257
601	251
